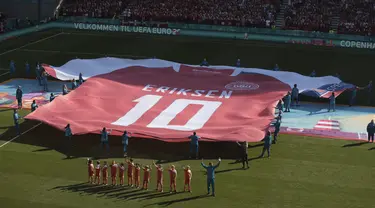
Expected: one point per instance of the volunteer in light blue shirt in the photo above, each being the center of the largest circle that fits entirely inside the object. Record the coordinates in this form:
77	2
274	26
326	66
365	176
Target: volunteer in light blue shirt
288	100
313	74
238	63
369	90
12	67
125	142
80	79
16	119
27	67
194	145
74	84
45	81
19	94
295	92
277	130
52	97
210	176
34	106
68	135
332	103
276	68
204	62
38	74
64	90
267	144
104	138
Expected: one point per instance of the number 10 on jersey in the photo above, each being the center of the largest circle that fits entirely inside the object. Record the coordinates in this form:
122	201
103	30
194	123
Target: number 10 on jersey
146	102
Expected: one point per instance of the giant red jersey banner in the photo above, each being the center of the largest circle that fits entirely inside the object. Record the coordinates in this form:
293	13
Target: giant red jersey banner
169	105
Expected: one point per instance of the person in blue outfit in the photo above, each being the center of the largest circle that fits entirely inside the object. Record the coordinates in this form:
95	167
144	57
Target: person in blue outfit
277	130
52	97
204	62
371	131
313	74
38	74
45	81
295	92
74	84
16	119
332	102
125	142
369	91
354	95
194	145
80	79
19	94
34	106
27	67
65	89
276	68
280	105
288	101
68	135
104	138
267	144
238	63
211	176
12	67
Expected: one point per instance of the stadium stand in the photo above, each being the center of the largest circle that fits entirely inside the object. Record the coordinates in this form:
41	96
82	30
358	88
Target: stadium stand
250	13
357	17
310	15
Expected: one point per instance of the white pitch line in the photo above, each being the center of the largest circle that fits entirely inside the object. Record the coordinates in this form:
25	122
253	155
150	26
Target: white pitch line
34	42
4	74
20	135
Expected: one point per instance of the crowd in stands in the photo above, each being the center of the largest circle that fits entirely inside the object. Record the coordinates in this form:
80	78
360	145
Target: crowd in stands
310	15
357	17
254	13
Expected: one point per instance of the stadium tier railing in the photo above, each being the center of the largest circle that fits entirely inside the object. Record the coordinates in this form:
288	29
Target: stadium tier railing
219	28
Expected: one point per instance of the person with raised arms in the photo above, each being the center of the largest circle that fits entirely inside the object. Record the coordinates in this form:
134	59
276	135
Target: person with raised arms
211	175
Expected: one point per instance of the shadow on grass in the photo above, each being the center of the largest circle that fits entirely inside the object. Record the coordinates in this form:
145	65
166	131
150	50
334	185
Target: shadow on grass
168	203
42	150
250	159
355	144
372	148
114	192
49	138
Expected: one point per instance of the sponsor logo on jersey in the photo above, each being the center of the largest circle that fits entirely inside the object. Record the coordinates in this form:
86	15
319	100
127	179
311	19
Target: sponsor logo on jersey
242	85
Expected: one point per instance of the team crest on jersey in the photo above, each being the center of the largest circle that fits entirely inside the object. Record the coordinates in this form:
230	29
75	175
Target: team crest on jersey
241	85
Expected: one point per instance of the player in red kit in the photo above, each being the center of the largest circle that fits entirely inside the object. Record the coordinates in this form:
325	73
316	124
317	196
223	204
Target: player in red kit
146	177
159	177
121	174
173	178
130	172
114	167
188	175
90	171
137	172
97	173
105	173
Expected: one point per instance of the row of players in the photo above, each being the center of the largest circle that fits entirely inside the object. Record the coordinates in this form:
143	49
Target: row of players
97	172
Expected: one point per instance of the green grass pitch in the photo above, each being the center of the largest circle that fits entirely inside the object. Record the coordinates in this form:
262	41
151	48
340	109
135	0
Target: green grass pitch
302	171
